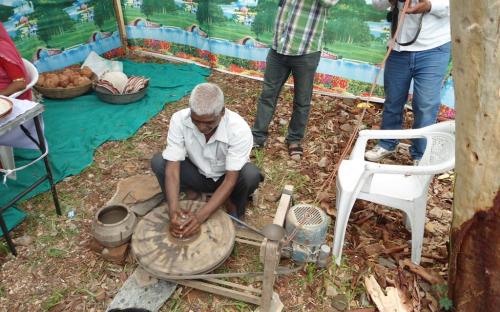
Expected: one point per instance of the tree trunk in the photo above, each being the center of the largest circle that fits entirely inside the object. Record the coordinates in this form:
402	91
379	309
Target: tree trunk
474	279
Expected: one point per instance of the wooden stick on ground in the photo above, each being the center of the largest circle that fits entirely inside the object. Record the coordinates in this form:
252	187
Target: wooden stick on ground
392	302
422	272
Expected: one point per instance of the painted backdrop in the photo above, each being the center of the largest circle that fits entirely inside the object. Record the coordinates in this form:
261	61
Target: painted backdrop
231	35
234	35
57	33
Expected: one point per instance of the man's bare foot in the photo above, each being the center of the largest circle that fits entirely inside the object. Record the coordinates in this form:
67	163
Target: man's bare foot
192	195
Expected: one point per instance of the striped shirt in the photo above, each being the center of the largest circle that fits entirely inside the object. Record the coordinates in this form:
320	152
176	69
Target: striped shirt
299	26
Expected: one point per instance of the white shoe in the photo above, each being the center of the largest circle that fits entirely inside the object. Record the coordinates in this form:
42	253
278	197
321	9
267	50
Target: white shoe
377	153
416	162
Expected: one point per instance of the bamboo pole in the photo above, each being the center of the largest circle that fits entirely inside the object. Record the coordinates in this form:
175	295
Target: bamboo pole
121	24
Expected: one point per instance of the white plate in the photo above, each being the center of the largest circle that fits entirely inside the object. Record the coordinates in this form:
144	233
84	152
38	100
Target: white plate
5	107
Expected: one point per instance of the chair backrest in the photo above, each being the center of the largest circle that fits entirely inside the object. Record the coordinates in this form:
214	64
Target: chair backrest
32	78
440	144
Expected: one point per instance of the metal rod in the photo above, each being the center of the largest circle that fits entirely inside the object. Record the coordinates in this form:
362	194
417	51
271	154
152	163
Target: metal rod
41	140
246	225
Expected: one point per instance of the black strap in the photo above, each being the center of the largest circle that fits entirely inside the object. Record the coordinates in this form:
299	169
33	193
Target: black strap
416	35
28	134
393	17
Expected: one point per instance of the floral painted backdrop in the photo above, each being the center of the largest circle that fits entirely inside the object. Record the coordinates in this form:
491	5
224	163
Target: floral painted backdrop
234	36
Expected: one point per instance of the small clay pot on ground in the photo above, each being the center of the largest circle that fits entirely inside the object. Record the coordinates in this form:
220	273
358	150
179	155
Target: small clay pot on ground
113	225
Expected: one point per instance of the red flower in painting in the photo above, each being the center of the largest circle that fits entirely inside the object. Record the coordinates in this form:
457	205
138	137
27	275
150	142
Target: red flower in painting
165	46
258	65
235	68
340	83
212	58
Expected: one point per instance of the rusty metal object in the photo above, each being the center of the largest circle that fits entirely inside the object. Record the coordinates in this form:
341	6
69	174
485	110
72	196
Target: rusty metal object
163	255
113	225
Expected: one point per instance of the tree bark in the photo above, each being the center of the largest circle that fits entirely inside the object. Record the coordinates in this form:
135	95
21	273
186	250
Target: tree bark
474	279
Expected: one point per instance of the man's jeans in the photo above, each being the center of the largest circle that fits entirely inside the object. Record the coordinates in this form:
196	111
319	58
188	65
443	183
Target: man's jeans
278	69
427	69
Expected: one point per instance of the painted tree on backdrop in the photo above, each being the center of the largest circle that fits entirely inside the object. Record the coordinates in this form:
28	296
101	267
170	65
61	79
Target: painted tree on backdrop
209	12
103	11
149	7
264	20
52	19
347	22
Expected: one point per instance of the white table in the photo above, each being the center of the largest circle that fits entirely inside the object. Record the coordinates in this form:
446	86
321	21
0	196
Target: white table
29	111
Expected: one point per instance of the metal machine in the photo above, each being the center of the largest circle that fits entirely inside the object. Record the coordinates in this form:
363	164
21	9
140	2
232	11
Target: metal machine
306	228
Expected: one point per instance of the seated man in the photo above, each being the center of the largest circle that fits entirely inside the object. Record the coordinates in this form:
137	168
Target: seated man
208	148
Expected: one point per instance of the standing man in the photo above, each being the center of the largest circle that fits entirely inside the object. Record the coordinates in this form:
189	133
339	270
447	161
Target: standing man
296	49
421	53
208	149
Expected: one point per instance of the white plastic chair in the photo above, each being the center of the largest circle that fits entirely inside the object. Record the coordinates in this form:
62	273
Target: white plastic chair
6	152
395	186
32	77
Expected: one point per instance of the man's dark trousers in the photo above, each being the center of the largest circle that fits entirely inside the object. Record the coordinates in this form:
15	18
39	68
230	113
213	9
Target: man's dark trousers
190	178
278	69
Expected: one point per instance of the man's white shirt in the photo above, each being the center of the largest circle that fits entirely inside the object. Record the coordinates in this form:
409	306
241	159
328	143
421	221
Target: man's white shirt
435	26
227	150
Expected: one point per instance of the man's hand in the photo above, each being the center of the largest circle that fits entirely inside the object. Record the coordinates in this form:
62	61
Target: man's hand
191	225
177	220
423	6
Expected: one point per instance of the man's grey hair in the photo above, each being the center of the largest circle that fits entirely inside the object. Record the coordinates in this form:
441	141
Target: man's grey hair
206	99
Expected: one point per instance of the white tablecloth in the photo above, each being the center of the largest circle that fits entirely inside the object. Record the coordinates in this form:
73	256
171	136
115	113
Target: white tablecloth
16	137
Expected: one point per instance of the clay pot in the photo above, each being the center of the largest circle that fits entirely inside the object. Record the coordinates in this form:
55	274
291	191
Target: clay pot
113	225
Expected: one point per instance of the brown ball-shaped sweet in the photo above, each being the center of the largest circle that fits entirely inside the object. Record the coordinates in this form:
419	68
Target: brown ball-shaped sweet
41	80
86	72
63	80
52	82
82	81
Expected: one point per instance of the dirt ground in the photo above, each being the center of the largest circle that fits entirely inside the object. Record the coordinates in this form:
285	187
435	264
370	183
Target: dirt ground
58	272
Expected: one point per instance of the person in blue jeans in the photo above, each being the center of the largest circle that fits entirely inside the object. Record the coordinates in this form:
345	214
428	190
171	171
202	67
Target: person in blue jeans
422	54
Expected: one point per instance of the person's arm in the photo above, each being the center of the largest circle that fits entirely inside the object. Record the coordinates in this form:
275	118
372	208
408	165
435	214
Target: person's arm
16	75
439	8
328	3
174	153
172	184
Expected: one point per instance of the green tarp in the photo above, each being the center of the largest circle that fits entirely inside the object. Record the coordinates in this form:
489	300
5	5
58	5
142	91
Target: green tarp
75	128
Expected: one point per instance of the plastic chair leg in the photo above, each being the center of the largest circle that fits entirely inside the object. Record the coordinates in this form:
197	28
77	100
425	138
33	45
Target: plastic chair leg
344	203
418	227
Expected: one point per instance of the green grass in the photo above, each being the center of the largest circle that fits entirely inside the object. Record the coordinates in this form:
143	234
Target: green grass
258	154
55	298
56	253
228	30
79	35
372	54
180	19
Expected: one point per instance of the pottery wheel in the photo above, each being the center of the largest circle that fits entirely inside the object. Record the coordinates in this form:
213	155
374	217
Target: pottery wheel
163	255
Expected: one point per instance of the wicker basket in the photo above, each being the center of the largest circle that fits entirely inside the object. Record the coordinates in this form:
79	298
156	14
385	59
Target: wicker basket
106	96
66	93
